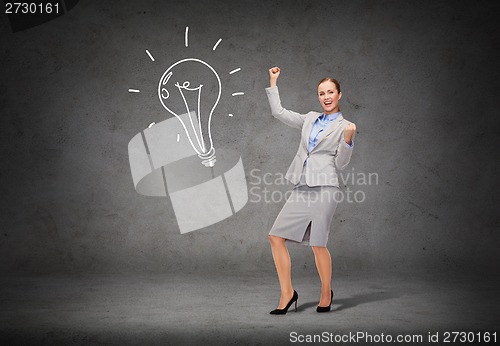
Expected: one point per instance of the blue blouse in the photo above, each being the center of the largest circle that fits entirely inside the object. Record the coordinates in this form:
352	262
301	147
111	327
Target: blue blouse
321	123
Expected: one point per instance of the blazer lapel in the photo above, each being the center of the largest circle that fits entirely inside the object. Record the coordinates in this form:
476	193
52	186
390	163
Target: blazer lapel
332	127
307	131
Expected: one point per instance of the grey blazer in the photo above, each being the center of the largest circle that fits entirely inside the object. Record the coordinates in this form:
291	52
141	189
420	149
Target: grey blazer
329	155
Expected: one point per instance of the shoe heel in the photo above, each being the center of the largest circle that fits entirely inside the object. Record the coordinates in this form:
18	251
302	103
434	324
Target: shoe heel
295	306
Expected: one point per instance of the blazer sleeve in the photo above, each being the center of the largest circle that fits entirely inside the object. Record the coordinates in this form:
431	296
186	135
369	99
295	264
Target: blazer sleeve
344	153
286	116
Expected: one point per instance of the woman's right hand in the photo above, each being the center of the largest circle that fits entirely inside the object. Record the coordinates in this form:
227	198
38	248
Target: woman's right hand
274	73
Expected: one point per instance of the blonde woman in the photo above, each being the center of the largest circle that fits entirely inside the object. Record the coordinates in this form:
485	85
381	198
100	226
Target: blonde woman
325	146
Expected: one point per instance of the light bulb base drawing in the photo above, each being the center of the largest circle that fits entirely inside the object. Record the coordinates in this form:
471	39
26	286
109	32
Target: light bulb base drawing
163	166
208	159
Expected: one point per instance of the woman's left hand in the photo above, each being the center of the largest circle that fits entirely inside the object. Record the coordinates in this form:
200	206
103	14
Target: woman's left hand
349	132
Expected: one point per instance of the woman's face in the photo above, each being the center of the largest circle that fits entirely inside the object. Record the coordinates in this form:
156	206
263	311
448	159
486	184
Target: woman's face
329	97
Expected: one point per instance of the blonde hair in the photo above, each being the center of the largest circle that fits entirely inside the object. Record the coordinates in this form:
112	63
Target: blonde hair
330	79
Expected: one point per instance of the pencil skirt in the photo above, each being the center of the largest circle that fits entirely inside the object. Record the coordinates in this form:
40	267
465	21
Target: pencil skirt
307	215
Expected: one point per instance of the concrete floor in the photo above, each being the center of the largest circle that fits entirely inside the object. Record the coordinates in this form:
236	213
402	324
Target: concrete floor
233	308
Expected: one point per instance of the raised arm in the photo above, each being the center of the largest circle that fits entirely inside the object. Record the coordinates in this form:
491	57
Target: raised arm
286	116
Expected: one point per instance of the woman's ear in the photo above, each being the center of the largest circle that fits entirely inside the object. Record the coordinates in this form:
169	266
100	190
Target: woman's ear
340	95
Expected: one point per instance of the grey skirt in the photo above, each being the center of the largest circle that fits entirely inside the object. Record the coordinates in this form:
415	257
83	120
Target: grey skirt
307	215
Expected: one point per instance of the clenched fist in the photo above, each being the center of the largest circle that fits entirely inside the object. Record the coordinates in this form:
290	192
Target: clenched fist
273	75
349	132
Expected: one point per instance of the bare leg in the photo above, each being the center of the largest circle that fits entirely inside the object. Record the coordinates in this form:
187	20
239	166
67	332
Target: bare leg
324	266
283	267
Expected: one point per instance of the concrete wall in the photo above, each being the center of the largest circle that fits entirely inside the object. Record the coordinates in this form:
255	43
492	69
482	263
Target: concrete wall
420	80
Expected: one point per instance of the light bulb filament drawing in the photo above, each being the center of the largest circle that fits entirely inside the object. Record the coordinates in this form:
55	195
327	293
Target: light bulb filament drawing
185	86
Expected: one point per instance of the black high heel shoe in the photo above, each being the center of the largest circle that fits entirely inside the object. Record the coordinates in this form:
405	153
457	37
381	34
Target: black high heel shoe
325	308
295	297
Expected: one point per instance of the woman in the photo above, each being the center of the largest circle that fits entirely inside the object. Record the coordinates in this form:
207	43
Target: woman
326	145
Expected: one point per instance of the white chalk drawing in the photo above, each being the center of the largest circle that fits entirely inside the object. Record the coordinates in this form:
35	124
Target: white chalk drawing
150	56
215	45
165	91
163	162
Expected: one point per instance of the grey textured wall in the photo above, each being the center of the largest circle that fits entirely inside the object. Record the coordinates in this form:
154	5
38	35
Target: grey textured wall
420	80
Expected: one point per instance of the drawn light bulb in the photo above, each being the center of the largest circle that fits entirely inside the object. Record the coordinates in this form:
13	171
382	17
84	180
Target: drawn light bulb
191	89
162	161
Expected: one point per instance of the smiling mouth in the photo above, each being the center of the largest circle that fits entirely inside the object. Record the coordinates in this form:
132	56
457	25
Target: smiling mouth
327	103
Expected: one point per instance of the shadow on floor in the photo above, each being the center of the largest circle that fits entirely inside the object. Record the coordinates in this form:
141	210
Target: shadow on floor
347	303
